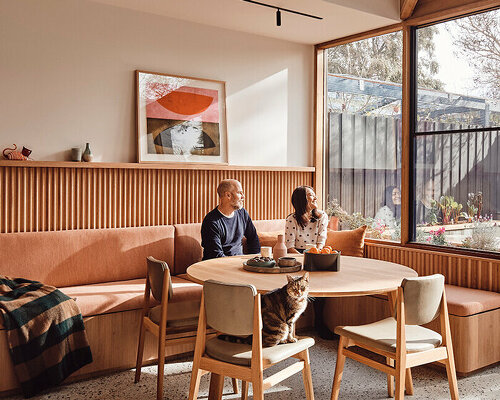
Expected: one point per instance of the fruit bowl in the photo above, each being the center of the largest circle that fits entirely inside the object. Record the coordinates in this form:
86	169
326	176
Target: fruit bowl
322	262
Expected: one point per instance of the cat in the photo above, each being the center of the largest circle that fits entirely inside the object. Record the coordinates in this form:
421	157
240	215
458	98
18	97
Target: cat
280	310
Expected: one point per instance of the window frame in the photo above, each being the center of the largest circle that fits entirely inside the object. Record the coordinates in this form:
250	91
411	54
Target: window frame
409	120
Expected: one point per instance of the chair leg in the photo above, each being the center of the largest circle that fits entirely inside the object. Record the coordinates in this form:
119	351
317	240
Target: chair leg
339	369
216	386
258	390
390	378
236	389
140	352
306	375
452	377
244	390
400	381
409	382
194	385
161	368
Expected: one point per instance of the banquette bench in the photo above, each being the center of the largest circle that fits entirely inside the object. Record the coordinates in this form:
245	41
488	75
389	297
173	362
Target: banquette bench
104	270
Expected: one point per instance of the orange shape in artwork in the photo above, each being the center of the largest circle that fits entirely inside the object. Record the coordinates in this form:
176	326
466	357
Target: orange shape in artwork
185	103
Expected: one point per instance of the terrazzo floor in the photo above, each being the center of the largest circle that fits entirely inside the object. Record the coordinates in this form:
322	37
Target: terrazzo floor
358	382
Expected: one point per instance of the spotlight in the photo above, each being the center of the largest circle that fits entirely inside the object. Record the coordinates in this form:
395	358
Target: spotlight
278	17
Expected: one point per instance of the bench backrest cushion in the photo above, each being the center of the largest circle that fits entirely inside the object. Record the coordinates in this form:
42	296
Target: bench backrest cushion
79	257
188	248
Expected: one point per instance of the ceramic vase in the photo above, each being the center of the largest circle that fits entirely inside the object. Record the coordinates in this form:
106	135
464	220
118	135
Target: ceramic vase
279	249
87	154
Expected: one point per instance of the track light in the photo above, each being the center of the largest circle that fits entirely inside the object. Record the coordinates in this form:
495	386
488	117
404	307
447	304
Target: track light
279	9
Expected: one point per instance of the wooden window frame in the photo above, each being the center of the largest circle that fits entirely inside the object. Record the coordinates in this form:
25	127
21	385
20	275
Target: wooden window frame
407	191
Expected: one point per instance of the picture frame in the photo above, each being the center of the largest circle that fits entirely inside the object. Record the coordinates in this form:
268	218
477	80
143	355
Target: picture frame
180	119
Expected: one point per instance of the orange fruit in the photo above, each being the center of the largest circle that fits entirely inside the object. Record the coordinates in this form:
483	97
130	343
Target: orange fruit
313	250
325	251
328	247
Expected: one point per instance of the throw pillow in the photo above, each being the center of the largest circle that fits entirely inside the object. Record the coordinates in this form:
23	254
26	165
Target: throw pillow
350	243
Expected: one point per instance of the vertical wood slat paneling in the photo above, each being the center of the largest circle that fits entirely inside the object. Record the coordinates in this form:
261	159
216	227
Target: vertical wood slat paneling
471	272
62	198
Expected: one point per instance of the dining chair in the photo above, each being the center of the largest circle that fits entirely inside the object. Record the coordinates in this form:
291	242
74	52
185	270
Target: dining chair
172	325
401	339
235	309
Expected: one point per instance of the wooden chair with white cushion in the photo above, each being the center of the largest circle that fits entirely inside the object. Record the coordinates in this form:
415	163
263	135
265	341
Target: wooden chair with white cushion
235	309
402	340
172	324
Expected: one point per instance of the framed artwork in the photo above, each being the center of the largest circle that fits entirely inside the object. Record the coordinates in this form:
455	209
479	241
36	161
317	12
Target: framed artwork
180	119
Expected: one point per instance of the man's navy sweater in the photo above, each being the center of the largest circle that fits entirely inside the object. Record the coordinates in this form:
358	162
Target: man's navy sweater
221	236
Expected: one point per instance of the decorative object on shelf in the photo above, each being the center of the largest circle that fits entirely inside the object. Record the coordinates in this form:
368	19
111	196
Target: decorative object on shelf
180	119
76	154
279	249
13	154
87	154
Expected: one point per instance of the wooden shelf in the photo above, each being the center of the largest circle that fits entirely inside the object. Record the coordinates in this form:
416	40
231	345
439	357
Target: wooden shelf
72	164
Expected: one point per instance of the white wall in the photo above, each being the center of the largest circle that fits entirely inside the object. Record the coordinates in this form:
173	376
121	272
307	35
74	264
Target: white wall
67	77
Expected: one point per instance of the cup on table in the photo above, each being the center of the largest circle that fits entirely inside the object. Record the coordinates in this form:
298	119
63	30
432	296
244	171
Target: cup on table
266	251
310	246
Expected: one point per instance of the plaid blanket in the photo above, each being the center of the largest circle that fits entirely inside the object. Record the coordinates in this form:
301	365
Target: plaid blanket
45	333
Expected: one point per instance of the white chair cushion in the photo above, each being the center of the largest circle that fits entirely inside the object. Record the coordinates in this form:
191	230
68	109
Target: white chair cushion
241	354
382	335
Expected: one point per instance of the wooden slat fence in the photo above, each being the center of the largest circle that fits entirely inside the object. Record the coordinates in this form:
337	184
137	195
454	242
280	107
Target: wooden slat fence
364	157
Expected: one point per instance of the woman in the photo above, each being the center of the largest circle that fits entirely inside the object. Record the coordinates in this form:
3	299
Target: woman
307	225
389	214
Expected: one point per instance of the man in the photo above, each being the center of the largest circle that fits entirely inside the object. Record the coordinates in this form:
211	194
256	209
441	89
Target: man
223	228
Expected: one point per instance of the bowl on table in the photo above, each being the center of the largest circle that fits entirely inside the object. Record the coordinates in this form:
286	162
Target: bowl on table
322	261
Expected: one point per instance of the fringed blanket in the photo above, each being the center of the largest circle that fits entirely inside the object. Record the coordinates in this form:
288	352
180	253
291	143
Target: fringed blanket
45	333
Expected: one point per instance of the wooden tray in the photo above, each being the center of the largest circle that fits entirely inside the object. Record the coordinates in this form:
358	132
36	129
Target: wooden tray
273	270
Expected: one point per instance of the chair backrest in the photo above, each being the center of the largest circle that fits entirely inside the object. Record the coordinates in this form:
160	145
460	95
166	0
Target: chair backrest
422	298
229	307
156	271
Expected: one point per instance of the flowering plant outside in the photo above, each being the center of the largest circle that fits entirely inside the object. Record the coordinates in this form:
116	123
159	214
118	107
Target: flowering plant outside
437	237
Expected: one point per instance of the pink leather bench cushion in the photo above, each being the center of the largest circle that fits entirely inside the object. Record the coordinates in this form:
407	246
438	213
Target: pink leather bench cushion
79	257
188	248
109	297
465	301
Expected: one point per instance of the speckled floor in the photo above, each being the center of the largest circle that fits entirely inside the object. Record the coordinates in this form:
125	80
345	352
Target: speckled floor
359	382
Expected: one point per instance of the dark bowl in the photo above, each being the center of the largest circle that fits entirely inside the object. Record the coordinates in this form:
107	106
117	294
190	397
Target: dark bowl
322	262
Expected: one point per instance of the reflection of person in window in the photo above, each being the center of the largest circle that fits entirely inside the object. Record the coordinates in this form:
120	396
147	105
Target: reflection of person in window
424	212
389	214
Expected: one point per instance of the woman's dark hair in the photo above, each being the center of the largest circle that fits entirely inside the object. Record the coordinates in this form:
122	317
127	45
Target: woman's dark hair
299	202
395	208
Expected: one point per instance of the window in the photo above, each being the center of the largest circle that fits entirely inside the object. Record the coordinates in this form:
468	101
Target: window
363	134
456	133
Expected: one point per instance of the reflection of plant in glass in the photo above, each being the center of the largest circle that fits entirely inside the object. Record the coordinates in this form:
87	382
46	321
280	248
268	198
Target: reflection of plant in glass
450	209
396	233
474	205
484	237
437	237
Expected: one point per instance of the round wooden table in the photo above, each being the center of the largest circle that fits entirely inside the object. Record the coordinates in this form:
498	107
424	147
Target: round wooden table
357	276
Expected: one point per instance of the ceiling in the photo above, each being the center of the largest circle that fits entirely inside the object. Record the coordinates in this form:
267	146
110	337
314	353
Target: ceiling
340	17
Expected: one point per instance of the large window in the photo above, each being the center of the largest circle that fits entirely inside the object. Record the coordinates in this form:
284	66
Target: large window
456	133
363	134
454	155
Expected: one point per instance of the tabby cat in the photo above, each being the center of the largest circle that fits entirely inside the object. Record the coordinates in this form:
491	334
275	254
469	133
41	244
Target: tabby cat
280	309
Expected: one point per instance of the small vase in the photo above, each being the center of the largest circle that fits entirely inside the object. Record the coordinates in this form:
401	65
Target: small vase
87	154
279	249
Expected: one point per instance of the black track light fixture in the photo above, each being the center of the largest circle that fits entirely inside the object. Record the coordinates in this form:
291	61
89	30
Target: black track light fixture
279	9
